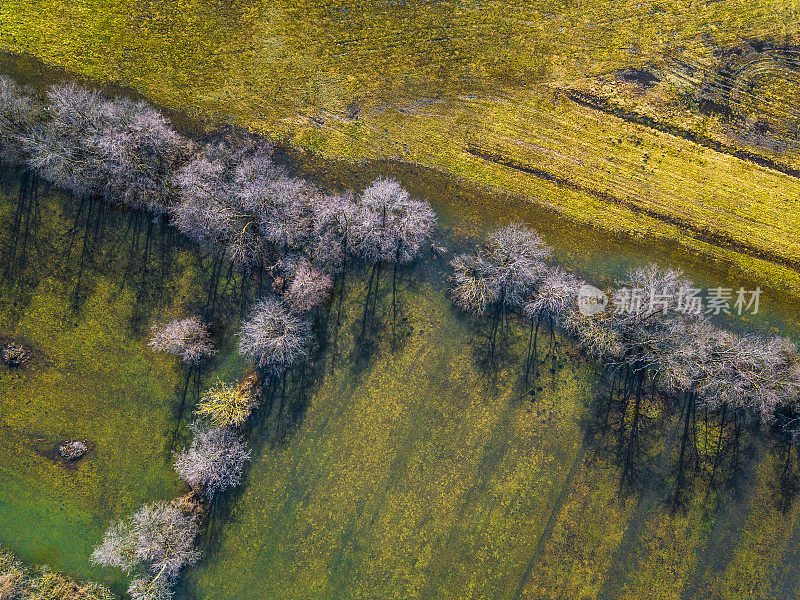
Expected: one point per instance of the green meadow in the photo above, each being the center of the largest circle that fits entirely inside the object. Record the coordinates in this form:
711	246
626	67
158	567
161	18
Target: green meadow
403	460
399	463
81	287
416	472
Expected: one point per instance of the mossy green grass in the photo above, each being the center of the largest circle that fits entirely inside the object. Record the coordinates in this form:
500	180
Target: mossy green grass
80	296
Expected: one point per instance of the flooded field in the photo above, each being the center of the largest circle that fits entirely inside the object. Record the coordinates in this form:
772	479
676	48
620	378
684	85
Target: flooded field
395	463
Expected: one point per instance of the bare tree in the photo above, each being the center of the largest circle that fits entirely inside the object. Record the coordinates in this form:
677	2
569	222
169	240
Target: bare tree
147	587
502	276
186	338
683	361
390	228
334	223
517	255
214	460
272	337
121	149
251	178
205	211
391	225
751	373
138	153
282	208
555	299
597	334
157	541
473	285
63	148
309	287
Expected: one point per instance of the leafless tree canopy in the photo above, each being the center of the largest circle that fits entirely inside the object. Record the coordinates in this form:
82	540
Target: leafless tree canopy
504	273
555	296
334	222
205	210
123	150
682	350
309	287
186	338
20	111
473	287
391	226
214	460
227	194
150	588
156	542
272	337
517	254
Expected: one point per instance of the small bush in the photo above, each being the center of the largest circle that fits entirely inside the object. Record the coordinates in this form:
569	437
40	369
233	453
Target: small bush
229	405
272	337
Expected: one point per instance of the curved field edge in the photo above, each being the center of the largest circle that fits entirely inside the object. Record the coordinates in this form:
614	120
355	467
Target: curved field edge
427	84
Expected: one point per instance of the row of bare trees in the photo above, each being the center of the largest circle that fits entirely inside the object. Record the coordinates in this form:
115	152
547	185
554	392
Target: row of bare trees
661	349
76	138
227	194
159	540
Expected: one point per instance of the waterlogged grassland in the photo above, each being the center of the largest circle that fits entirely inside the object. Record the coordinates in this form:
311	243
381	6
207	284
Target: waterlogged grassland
414	473
429	81
75	288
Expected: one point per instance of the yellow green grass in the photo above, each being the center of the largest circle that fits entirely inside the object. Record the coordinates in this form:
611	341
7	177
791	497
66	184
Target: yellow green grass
414	474
408	472
430	79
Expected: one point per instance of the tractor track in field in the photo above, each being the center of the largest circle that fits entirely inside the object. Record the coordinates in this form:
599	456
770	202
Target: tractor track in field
699	232
594	102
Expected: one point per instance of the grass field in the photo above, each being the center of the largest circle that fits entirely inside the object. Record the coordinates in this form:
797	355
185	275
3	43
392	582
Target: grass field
80	286
406	469
408	472
430	83
414	473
